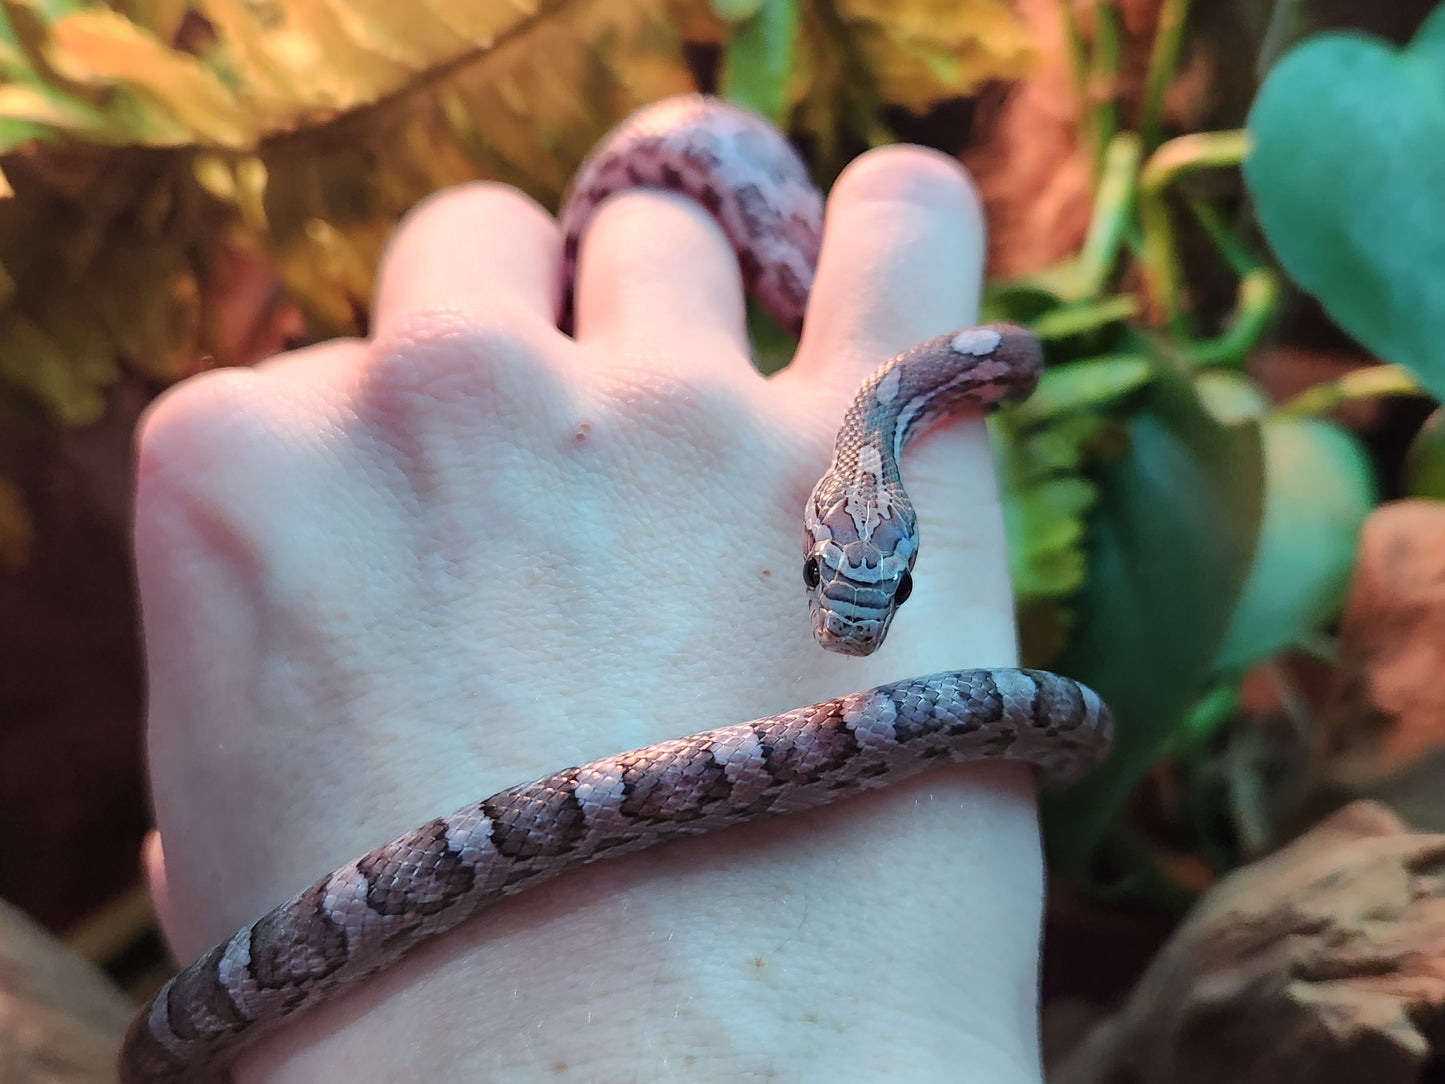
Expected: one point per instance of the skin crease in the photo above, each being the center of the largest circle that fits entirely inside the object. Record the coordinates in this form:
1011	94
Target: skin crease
382	579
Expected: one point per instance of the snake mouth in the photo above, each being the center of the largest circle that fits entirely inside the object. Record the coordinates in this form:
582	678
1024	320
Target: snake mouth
849	634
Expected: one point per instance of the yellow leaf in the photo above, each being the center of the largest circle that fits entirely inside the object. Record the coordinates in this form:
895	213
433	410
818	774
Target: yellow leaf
856	56
922	51
479	24
342	272
90	351
251	178
104	49
402	32
352	70
311	126
270	65
505	115
41	105
142	296
213	173
163	18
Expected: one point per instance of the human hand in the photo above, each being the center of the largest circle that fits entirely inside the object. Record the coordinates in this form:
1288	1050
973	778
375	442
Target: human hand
383	579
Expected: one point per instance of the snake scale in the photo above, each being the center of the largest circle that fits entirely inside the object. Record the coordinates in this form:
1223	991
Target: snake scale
860	539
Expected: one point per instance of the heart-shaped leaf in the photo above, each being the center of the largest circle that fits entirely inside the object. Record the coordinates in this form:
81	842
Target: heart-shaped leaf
1318	490
1170	543
1347	170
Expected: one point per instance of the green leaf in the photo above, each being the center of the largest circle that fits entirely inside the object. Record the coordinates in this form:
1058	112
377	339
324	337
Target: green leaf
1045	527
735	11
1347	171
1424	469
1319	487
1084	316
772	346
1085	275
1210	712
1016	301
1170	545
759	58
1092	382
1230	397
1066	445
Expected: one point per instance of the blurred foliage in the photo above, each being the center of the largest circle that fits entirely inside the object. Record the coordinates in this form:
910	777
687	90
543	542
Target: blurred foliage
1347	174
313	127
1177	528
1225	530
149	143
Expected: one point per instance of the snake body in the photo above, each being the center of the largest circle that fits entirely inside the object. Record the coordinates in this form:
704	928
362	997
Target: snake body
859	540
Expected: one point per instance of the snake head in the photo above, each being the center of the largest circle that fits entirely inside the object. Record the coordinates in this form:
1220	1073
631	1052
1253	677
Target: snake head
856	585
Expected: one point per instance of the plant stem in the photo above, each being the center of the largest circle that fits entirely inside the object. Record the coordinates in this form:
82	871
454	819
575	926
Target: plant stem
1113	204
1168	34
1254	308
1084	316
1074	45
1235	252
1085	275
1190	153
1283	26
1158	257
1371	382
1101	84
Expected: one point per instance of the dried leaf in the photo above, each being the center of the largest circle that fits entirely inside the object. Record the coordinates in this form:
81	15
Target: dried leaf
855	56
104	49
927	50
311	126
507	116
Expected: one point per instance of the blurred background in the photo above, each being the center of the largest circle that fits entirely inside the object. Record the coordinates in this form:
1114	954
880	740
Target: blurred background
1224	218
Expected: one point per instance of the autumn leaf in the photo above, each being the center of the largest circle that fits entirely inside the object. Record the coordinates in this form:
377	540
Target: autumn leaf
925	51
856	56
309	129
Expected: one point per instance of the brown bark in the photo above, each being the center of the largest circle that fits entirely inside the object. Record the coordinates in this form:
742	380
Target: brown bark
1323	962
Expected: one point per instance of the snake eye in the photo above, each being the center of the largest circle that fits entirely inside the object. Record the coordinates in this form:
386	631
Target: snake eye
812	574
904	588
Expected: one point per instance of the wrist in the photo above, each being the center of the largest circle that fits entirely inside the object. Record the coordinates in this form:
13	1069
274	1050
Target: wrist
854	939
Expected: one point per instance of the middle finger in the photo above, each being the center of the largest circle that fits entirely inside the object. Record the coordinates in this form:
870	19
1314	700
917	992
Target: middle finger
657	282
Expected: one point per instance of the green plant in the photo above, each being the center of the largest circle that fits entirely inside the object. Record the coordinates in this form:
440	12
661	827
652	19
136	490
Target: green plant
1224	527
1225	531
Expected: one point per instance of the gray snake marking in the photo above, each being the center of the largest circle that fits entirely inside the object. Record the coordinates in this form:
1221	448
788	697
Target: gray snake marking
860	539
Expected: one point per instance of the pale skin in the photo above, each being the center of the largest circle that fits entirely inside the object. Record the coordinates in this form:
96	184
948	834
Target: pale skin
383	579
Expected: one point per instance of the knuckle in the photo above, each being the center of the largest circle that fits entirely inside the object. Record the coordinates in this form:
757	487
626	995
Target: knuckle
201	421
434	364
